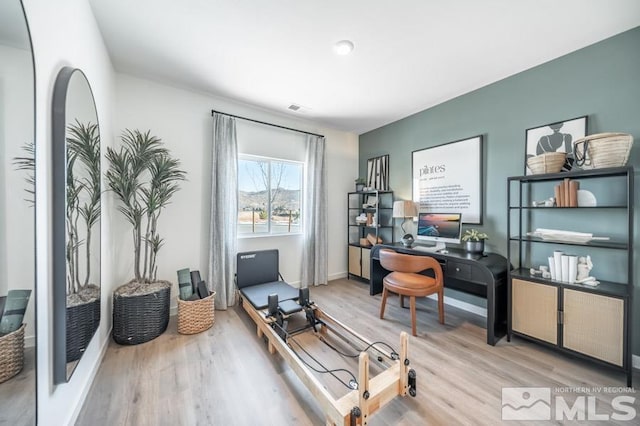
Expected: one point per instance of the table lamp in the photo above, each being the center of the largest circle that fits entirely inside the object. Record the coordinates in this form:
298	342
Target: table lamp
404	210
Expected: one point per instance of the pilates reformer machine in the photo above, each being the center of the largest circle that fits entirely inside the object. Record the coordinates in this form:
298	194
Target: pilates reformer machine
284	315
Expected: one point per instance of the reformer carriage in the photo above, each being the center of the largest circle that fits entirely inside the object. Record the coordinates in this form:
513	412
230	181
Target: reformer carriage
292	324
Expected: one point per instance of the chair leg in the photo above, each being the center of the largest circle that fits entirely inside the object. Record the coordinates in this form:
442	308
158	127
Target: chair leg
412	304
441	306
401	301
384	302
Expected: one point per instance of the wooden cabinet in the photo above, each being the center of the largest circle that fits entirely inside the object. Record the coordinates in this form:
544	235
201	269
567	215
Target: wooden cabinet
593	325
592	322
377	207
359	261
535	310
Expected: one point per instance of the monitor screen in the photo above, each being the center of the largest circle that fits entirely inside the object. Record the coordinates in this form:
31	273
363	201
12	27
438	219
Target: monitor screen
440	227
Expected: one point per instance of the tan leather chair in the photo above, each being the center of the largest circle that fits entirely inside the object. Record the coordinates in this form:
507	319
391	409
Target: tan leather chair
405	281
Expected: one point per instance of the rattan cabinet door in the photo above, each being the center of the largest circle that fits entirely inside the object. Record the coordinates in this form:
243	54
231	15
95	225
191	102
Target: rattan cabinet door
366	263
594	325
534	310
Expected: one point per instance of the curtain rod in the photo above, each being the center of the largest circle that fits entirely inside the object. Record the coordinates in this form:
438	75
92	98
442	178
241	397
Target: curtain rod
213	111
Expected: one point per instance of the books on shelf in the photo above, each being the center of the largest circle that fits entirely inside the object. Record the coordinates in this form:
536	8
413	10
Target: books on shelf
566	193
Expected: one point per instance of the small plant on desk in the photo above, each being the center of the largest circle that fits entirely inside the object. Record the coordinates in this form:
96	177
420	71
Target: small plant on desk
474	240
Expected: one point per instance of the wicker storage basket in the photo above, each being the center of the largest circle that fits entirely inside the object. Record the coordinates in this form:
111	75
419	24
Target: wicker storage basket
196	316
549	162
138	319
603	150
11	354
82	322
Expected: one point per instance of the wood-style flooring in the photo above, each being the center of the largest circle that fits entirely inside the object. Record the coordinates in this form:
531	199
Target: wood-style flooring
225	376
18	394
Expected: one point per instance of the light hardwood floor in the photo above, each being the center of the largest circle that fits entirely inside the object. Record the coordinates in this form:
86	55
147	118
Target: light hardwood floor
225	376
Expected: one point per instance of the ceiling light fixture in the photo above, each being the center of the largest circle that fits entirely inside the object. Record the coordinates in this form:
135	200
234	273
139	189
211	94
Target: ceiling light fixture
343	47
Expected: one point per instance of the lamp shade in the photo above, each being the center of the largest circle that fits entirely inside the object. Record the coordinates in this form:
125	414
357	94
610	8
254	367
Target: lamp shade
405	209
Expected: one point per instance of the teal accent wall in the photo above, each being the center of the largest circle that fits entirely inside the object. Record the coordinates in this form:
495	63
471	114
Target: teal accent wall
601	81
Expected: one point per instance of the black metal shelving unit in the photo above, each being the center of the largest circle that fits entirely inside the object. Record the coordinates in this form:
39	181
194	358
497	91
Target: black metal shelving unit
359	254
521	214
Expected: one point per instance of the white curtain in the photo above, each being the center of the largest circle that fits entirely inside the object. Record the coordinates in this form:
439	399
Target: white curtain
224	199
315	254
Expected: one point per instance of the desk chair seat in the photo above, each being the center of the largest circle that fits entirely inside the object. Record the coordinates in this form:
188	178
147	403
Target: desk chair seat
404	280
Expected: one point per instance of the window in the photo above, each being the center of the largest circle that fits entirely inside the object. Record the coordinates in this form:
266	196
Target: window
269	196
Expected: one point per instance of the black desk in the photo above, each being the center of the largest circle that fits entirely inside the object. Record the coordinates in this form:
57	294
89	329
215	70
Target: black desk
480	275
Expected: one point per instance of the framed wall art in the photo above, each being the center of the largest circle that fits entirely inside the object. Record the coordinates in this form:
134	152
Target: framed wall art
555	137
448	179
378	173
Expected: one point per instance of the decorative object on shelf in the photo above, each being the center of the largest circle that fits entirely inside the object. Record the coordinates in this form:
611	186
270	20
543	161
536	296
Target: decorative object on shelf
549	162
603	150
564	236
364	242
404	210
566	193
584	266
549	202
371	202
144	177
378	173
448	178
373	240
586	198
474	240
361	219
360	182
554	137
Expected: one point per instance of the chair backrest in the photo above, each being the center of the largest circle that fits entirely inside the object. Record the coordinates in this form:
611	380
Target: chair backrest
256	267
399	262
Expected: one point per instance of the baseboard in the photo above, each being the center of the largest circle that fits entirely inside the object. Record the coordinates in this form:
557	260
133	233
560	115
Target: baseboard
337	276
465	306
89	382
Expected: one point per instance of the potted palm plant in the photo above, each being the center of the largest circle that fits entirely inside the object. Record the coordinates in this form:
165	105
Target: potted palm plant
474	240
143	176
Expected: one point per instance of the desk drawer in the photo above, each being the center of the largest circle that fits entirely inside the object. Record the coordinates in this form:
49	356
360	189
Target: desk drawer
461	271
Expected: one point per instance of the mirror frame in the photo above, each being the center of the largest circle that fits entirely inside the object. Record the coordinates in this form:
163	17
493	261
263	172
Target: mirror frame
34	290
59	186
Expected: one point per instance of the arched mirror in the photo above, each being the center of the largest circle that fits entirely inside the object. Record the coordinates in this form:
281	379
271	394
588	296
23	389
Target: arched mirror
17	219
76	220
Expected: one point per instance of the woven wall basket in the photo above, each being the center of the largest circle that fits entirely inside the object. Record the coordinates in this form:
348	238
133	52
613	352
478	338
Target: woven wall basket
82	322
603	150
11	354
196	316
138	319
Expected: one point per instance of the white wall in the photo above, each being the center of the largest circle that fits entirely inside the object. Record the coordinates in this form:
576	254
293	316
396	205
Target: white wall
182	119
64	33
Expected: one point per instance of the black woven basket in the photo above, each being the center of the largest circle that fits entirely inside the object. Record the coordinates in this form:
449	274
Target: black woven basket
138	319
82	322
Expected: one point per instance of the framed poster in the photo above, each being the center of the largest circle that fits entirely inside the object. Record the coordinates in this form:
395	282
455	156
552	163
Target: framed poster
448	179
378	173
555	137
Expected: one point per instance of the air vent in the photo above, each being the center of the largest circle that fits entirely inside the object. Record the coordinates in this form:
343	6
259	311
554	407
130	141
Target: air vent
294	107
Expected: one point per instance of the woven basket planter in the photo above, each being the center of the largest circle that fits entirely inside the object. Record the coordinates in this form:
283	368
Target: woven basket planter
196	316
11	354
549	162
140	318
603	150
82	322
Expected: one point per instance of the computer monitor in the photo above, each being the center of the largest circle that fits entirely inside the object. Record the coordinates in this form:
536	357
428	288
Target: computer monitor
440	228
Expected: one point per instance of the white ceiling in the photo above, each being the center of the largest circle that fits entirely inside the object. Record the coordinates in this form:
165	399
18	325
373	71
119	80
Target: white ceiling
409	54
